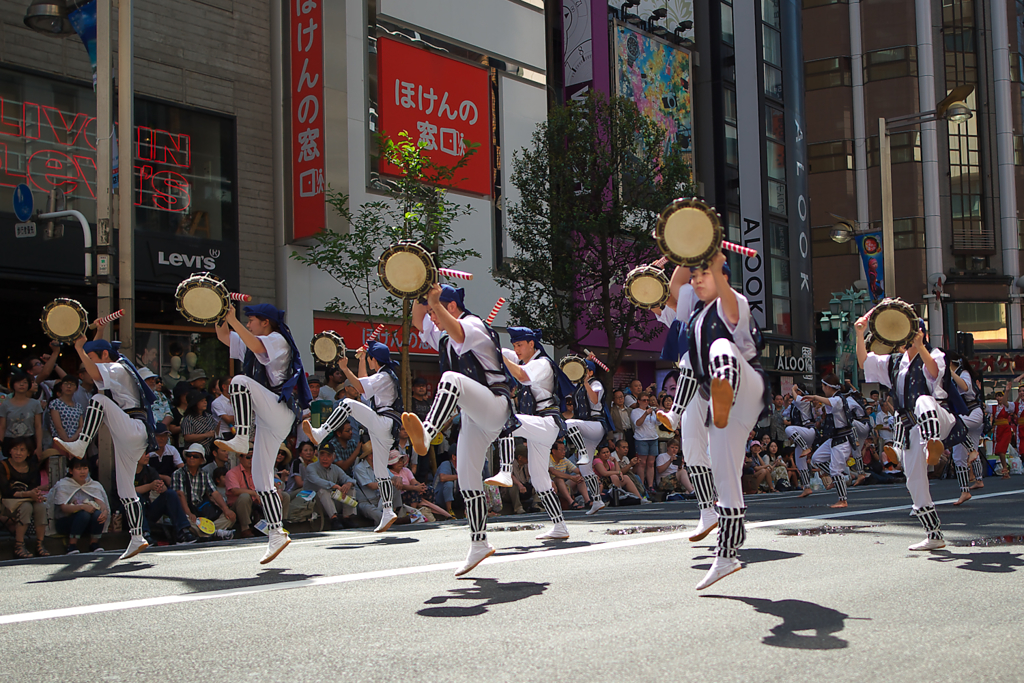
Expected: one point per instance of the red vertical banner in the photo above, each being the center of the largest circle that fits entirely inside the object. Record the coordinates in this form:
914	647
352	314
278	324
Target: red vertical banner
441	102
307	116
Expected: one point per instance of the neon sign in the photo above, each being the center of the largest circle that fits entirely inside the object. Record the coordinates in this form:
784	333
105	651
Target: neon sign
47	148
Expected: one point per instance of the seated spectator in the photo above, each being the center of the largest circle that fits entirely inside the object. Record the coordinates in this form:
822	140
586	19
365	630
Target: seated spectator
878	472
221	458
753	474
158	500
366	490
21	416
198	496
165	458
219	477
607	468
161	406
761	467
629	467
281	471
347	446
671	475
566	478
415	494
307	455
80	507
197	425
326	478
520	494
242	496
22	496
445	483
780	475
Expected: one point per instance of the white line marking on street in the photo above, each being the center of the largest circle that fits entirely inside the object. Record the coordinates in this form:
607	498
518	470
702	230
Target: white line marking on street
423	569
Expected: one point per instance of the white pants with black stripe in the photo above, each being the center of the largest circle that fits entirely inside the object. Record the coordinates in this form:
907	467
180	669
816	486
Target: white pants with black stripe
130	440
540	433
379	429
835	456
801	436
974	423
694	433
915	458
272	424
593	433
484	415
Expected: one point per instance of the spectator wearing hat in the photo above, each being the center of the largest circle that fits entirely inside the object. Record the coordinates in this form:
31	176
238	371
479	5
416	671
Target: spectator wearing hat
324	477
198	426
165	458
197	378
222	410
161	406
158	500
198	496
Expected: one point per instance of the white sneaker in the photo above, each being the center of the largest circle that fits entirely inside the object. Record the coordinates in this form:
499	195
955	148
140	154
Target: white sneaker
503	479
224	534
720	568
478	552
584	459
929	544
76	448
669	420
135	546
279	540
315	434
387	518
708	522
237	444
559	532
598	504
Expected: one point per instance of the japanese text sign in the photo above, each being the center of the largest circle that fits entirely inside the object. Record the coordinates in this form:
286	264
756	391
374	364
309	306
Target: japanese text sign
307	116
440	101
355	333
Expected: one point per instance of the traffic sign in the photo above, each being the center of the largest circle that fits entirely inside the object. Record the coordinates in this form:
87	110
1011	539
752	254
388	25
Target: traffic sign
25	229
23	203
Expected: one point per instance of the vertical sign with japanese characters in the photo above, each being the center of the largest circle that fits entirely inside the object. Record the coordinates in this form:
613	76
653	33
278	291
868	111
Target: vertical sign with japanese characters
442	102
307	117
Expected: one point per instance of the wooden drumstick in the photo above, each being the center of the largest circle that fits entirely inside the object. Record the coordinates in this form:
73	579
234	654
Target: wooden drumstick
739	249
235	296
660	263
451	272
494	311
373	337
106	319
591	356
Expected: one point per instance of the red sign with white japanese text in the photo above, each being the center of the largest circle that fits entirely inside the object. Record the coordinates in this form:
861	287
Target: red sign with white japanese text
307	100
440	101
355	333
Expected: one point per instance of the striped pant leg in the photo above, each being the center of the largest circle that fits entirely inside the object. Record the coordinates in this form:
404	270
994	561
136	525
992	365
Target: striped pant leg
963	477
576	440
930	521
476	514
593	486
731	531
686	387
703	485
241	403
133	515
92	421
979	469
552	506
805	478
387	491
445	401
272	512
337	417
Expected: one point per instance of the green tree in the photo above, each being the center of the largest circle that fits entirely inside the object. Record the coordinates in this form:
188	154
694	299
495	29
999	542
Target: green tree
414	206
592	183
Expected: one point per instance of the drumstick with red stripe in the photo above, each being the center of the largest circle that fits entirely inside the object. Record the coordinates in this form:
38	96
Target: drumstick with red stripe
739	249
591	356
494	311
660	263
235	296
451	272
373	337
106	319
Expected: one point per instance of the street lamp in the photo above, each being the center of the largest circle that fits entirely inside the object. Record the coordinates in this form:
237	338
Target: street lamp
825	322
834	305
49	17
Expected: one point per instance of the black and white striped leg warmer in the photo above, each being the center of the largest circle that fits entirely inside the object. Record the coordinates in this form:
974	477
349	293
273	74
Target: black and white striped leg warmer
241	402
858	461
133	515
387	491
685	390
840	482
272	510
445	401
727	368
930	426
963	477
703	485
930	521
731	532
800	444
93	419
476	513
805	478
549	499
899	435
593	487
337	418
979	469
575	437
823	468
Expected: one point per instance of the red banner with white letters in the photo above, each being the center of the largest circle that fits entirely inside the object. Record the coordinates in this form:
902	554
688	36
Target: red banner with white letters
440	101
307	116
356	332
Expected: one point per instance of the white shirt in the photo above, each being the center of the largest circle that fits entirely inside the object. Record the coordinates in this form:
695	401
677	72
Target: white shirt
540	377
478	340
277	359
221	407
380	388
168	450
431	333
835	409
599	390
648	431
968	395
806	410
670	471
741	331
327	394
876	369
118	380
685	304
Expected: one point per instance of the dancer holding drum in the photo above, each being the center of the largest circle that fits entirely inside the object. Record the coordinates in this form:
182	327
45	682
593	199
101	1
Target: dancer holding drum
965	454
589	424
915	380
474	380
800	430
831	456
382	418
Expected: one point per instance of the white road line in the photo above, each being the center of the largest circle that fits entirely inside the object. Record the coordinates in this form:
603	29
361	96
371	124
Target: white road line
423	569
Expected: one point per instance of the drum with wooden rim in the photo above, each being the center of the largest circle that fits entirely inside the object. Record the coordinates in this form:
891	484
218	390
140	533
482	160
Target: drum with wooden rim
647	287
893	322
203	298
407	270
327	347
64	320
574	367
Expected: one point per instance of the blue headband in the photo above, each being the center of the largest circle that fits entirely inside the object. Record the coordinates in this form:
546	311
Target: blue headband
519	334
456	294
379	352
98	346
266	311
591	365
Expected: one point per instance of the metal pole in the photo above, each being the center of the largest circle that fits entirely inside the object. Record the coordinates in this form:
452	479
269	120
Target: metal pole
126	177
104	171
888	248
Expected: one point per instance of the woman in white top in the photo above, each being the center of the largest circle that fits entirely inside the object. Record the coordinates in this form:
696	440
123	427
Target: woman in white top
645	435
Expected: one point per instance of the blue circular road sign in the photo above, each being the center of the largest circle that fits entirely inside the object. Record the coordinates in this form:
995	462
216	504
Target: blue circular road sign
23	203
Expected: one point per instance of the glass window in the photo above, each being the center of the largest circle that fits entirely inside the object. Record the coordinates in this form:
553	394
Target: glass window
732	145
890	63
772	82
777	197
770	12
808	4
782	323
986	321
903	148
775	124
830	156
776	160
779	236
780	277
827	73
727	30
772	46
734	232
730	105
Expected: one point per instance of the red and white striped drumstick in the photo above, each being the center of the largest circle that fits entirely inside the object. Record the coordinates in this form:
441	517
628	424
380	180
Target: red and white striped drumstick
494	311
451	272
107	319
591	356
235	296
660	263
373	337
739	249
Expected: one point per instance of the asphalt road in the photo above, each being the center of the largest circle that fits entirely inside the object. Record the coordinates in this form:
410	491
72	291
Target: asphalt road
825	595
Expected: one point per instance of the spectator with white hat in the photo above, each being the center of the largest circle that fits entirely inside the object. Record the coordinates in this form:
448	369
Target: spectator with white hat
199	498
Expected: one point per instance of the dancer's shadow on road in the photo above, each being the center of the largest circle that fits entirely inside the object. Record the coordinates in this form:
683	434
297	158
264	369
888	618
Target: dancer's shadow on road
797	616
376	543
988	562
751	556
486	592
541	545
89	566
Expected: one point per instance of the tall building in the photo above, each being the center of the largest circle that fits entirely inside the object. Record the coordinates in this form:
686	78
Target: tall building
955	185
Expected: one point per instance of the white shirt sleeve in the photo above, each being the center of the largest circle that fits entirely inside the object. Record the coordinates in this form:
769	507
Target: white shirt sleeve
938	392
667	316
374	384
741	334
686	301
876	369
430	335
511	356
175	455
477	339
237	346
539	372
